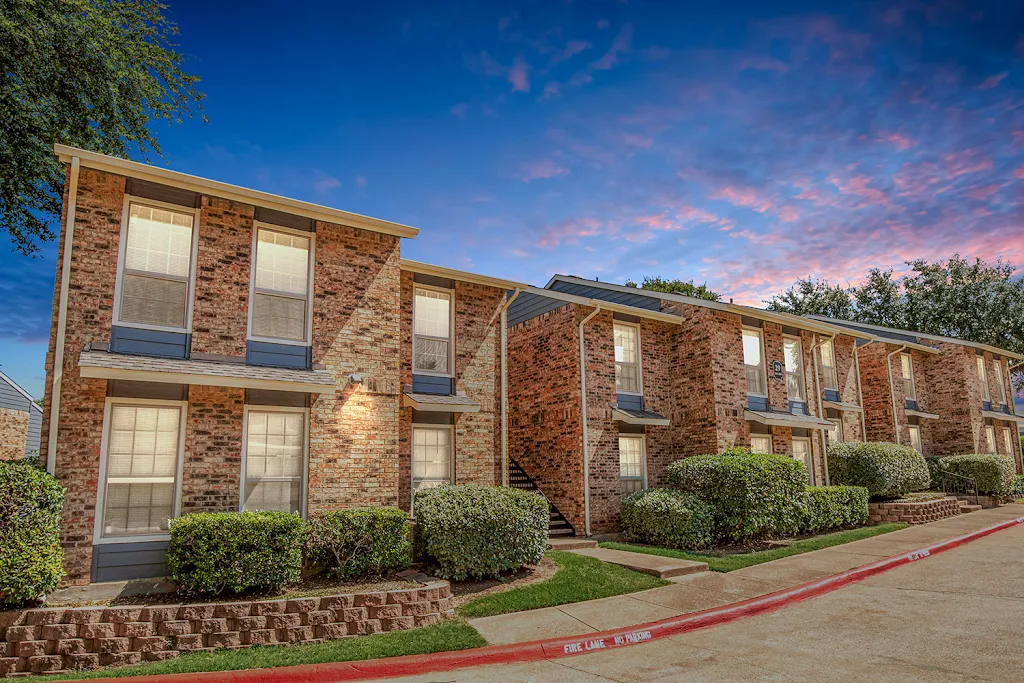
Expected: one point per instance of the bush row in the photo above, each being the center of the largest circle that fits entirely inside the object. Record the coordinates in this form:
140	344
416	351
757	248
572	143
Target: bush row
993	474
886	470
832	507
31	559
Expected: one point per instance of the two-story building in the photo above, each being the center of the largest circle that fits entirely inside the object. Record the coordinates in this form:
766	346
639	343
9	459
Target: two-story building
667	376
215	348
940	395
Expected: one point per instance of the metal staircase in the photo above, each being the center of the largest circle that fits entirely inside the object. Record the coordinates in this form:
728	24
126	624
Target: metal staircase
558	526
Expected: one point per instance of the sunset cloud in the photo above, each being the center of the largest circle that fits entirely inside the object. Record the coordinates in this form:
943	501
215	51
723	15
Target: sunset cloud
540	169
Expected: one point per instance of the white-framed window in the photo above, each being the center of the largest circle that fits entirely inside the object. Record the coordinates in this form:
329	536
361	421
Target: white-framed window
794	358
432	327
274	459
802	452
834	434
907	367
761	443
632	463
990	438
1000	381
431	456
830	378
627	358
140	469
156	266
753	362
983	378
1008	440
280	301
915	438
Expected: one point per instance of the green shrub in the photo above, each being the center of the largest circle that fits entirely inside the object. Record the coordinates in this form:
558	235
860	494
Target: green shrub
751	494
1017	487
213	552
934	464
356	544
31	559
668	518
886	470
832	507
992	473
480	531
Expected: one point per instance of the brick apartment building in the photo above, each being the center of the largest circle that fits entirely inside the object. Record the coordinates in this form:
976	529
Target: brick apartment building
218	348
943	396
666	376
20	421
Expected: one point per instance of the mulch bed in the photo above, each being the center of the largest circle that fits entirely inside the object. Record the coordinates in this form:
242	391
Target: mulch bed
467	591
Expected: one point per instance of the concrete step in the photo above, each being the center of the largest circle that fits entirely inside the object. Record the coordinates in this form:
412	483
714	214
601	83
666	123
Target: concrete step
966	507
662	567
571	543
559	532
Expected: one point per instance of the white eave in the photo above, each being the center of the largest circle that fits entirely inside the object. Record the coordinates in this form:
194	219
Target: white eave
460	275
606	305
440	403
134	169
840	405
786	419
996	415
922	414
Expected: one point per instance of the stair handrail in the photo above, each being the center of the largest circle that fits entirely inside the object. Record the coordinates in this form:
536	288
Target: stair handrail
962	477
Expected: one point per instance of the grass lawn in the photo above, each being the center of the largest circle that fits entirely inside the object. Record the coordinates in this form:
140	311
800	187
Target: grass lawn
578	578
453	634
728	563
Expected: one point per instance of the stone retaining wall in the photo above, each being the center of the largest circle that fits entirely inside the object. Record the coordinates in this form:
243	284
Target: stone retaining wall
52	639
917	512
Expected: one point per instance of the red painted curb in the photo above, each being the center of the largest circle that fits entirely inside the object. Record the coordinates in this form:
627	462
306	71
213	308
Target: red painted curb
555	648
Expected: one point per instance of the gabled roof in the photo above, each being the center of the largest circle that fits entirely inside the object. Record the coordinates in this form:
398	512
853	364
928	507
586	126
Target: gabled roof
14	385
893	335
606	305
134	169
787	319
461	275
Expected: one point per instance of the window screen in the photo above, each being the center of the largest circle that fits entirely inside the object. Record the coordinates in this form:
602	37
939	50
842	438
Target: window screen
982	375
281	296
274	447
431	331
631	463
431	457
830	379
907	366
794	369
753	360
627	358
157	264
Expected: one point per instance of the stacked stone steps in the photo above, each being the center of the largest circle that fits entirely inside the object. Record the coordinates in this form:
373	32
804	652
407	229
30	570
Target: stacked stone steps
966	507
558	525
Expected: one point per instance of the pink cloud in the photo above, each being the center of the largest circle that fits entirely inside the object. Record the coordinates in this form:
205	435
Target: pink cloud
983	192
360	181
901	141
551	90
858	186
460	110
992	81
623	42
965	162
1018	172
569	231
634	140
543	168
518	76
789	214
742	196
326	185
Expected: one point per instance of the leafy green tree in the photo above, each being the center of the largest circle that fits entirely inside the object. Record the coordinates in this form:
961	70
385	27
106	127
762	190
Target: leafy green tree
89	73
807	296
685	288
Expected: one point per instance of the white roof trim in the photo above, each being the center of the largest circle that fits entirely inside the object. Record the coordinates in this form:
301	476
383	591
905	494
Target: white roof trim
411	402
134	169
631	420
839	405
31	401
460	275
97	372
786	419
996	415
922	414
606	305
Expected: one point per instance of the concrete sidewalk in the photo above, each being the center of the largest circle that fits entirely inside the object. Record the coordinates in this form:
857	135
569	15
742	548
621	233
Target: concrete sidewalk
705	590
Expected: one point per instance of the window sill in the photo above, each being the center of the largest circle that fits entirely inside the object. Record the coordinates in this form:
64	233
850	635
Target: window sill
142	538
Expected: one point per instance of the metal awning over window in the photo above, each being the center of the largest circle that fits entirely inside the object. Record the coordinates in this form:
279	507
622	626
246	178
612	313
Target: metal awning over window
996	415
922	414
639	417
441	403
786	419
840	405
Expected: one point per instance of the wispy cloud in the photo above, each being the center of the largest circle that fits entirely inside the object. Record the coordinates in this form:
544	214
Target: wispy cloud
540	169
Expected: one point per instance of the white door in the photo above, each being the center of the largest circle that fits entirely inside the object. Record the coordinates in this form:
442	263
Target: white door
802	452
632	468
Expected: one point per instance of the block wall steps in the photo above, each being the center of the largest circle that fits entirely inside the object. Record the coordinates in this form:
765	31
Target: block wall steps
966	507
558	525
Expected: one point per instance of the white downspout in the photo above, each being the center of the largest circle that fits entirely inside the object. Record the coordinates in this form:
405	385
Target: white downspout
62	318
821	409
860	389
892	390
586	447
504	386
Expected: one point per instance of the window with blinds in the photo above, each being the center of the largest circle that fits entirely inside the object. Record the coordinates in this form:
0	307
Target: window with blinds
157	266
830	378
627	358
431	331
802	452
990	439
760	443
431	457
753	362
631	463
983	377
915	438
280	300
907	367
141	469
274	455
1000	381
794	357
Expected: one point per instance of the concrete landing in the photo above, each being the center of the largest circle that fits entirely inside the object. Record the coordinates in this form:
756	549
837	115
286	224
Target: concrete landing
662	567
571	543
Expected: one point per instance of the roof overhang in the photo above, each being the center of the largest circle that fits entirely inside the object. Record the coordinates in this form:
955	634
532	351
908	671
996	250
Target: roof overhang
104	365
996	415
606	305
440	403
786	419
840	405
640	417
460	275
922	414
134	169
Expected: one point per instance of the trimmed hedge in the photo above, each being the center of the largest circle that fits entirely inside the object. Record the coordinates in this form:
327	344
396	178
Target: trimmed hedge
668	518
473	531
751	494
1017	487
832	507
356	544
31	558
886	470
992	473
214	552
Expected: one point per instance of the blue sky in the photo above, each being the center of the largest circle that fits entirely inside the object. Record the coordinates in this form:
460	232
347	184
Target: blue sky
742	144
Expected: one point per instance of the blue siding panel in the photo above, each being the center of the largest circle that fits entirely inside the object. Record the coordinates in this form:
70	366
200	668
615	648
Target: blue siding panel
277	355
911	404
528	306
428	384
798	407
125	561
11	398
629	401
138	342
649	303
831	395
35	426
757	402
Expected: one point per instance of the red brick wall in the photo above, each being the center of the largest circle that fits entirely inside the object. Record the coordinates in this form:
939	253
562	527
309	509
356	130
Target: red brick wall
353	439
223	257
90	305
878	393
602	430
953	390
544	406
13	432
663	389
689	367
730	379
212	460
846	370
